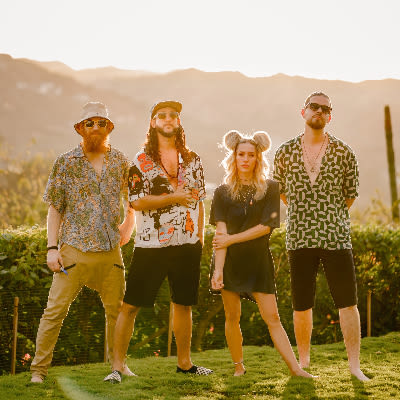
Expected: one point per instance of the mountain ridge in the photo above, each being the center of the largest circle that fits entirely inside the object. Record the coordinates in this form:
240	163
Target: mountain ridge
42	105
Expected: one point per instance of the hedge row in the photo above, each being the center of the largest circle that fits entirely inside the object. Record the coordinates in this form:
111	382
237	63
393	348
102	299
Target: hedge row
23	273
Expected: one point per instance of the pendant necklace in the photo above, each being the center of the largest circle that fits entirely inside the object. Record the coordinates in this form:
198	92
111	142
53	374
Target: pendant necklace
246	197
312	164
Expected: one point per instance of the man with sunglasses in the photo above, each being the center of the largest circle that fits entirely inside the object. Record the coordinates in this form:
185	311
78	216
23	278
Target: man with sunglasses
318	177
166	189
84	193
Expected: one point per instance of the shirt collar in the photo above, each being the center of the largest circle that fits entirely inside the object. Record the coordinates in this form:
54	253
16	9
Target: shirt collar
332	139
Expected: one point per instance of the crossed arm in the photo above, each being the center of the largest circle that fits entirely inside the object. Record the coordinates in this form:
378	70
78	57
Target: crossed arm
180	196
152	202
222	240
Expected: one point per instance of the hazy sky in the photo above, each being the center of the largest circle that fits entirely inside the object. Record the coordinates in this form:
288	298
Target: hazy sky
352	40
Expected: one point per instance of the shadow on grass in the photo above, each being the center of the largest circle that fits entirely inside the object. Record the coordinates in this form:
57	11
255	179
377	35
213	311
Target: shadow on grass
299	388
359	388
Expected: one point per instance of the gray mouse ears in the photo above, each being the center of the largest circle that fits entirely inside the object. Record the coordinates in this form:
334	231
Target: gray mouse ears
260	138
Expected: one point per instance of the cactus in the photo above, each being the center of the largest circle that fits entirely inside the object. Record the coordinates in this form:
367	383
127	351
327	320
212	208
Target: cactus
391	165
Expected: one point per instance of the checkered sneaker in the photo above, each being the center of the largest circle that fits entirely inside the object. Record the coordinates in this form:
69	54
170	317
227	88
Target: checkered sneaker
195	370
114	377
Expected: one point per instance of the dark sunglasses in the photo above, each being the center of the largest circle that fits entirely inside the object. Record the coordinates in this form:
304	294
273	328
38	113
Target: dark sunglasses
101	123
316	106
163	115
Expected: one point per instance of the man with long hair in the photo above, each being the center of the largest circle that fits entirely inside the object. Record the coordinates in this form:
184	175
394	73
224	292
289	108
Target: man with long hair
84	193
166	189
318	177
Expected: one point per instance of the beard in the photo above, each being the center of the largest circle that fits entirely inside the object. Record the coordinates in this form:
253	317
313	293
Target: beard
93	143
167	134
316	123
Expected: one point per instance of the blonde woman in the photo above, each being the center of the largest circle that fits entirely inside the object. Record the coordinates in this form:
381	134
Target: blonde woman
245	210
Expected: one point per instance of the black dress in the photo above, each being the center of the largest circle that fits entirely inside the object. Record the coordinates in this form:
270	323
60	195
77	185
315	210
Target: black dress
248	265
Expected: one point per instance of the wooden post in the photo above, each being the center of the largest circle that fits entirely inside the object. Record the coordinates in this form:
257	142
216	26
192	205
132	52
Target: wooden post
391	165
369	295
170	326
15	332
105	343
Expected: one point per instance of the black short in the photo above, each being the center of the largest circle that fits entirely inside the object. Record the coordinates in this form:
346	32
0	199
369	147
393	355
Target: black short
339	271
150	266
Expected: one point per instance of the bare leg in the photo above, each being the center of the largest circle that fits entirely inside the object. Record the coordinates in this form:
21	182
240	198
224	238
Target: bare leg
123	333
350	324
182	322
303	325
233	333
269	312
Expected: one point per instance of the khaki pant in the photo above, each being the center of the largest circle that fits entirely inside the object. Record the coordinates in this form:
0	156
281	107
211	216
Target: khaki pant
102	271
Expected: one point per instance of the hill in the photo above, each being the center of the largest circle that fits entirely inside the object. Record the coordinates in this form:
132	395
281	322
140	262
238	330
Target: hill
41	101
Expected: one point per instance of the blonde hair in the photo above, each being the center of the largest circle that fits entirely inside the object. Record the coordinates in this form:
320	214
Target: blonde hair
262	143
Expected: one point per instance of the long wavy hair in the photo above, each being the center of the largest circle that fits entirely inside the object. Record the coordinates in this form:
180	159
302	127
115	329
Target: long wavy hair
262	143
151	145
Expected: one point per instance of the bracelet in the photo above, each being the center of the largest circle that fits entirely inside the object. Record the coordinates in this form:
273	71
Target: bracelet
52	248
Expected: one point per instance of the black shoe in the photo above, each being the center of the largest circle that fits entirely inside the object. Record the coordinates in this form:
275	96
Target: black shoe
195	370
114	377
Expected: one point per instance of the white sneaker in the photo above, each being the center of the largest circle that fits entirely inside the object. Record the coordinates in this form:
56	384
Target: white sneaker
114	377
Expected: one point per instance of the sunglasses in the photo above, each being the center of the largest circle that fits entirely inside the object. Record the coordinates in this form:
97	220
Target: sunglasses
316	106
102	123
163	115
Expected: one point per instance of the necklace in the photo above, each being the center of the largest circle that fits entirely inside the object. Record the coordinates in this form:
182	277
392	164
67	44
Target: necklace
177	168
246	196
313	164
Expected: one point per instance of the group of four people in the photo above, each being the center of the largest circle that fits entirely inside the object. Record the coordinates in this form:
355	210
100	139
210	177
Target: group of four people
315	175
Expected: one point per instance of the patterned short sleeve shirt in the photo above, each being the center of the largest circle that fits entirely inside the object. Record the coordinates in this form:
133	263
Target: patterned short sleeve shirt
317	215
174	224
89	205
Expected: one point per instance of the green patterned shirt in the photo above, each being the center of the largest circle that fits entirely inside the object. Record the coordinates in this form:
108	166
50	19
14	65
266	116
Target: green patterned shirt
317	216
89	205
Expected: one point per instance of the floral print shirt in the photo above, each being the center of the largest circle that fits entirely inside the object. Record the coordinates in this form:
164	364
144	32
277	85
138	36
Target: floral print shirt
317	215
174	224
89	204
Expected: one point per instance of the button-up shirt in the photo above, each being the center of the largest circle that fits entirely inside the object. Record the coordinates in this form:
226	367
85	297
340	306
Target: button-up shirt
317	215
174	224
89	204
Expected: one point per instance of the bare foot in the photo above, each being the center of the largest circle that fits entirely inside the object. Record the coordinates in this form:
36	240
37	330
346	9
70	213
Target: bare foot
37	379
360	375
239	369
305	363
303	374
127	372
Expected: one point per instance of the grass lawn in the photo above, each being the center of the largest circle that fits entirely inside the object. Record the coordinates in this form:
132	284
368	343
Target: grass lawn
267	377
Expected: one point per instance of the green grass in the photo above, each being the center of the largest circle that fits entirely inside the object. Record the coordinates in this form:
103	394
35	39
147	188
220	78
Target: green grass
267	377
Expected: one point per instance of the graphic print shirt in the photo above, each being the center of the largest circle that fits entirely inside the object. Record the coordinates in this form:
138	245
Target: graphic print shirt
174	224
317	215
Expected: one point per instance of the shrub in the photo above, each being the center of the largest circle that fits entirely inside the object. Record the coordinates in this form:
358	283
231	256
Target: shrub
24	273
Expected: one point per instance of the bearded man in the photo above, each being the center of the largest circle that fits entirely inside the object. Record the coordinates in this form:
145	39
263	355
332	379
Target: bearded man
166	189
84	193
318	177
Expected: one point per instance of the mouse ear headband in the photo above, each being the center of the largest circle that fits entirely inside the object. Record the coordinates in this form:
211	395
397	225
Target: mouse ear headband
260	138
